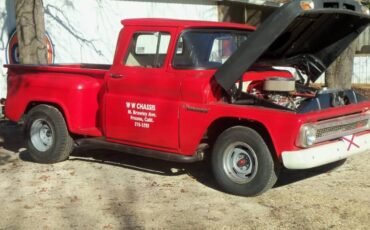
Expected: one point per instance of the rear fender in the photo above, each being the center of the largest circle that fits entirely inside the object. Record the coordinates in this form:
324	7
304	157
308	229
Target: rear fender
76	96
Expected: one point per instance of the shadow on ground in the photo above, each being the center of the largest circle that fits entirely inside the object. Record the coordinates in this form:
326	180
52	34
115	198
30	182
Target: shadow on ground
11	141
200	171
290	176
11	137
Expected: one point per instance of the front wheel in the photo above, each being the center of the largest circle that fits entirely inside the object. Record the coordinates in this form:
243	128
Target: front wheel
47	136
242	163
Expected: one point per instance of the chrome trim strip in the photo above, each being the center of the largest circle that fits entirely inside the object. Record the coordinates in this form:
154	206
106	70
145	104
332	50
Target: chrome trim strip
196	109
355	96
318	103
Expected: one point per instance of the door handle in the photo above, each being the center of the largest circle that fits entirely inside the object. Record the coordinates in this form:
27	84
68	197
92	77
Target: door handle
116	75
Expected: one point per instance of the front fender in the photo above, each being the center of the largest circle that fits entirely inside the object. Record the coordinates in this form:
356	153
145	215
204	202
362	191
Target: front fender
281	126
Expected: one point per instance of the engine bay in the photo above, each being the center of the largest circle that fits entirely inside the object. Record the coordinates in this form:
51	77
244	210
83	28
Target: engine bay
293	95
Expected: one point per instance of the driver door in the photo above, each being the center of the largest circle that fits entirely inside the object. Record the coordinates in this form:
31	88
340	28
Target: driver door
142	99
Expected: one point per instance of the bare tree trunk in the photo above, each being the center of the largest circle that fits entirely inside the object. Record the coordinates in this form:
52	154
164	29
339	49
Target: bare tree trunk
31	31
339	74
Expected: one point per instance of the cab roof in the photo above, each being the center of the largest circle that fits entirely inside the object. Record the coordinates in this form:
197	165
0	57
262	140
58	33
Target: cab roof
164	22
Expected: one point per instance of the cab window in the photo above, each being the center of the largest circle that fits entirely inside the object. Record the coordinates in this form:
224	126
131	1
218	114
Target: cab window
207	49
148	49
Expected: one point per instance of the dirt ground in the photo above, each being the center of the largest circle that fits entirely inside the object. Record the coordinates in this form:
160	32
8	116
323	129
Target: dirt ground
111	190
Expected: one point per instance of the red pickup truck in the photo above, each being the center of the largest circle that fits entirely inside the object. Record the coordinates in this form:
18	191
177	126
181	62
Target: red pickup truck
178	90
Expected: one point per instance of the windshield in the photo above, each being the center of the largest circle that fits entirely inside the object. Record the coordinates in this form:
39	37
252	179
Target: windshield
207	49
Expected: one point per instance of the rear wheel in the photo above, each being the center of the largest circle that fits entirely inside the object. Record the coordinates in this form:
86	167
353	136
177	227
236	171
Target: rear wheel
242	163
47	136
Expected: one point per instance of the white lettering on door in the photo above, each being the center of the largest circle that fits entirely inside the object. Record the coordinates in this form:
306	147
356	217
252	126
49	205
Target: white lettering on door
141	114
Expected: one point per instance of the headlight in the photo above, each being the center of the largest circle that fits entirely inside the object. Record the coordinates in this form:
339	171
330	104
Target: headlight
307	4
365	10
307	135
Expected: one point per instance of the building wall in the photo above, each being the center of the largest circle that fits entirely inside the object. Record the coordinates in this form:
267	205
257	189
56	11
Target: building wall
86	30
7	25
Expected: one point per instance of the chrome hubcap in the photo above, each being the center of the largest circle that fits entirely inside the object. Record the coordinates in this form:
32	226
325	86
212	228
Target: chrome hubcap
42	136
240	162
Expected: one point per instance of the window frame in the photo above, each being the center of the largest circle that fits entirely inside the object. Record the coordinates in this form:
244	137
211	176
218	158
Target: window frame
235	30
133	37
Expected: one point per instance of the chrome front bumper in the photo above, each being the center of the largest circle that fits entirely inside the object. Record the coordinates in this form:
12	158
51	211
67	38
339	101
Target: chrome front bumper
326	153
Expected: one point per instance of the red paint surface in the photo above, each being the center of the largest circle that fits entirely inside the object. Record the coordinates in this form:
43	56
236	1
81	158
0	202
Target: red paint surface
94	103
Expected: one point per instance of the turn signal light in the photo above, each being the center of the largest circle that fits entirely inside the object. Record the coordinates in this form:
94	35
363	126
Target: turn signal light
365	10
307	5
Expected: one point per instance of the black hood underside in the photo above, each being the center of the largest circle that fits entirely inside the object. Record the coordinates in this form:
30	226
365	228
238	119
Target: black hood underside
307	40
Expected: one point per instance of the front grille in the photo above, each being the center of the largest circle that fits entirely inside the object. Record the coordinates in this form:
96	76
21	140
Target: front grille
342	126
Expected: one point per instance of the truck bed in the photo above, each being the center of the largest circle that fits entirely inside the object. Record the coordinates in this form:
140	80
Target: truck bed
74	88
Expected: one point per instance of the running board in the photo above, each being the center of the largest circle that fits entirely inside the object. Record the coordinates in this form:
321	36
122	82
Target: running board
174	157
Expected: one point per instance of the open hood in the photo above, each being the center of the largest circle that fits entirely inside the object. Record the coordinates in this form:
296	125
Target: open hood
309	40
